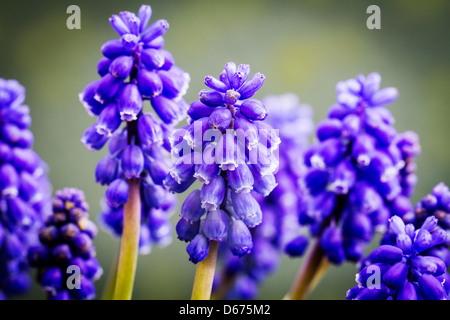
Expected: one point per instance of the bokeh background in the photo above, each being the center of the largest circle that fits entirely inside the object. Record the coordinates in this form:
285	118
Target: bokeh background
304	47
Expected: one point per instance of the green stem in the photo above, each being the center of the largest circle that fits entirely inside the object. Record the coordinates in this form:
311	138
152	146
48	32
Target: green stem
308	273
129	246
204	274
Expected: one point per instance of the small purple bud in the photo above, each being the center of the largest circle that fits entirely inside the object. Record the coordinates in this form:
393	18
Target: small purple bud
89	99
191	209
332	243
343	177
362	149
129	102
149	131
329	128
374	293
253	109
384	96
150	84
186	230
183	168
215	226
166	109
205	172
241	179
152	58
220	119
224	79
429	264
407	292
157	170
212	194
395	277
239	238
92	139
129	42
422	240
388	254
154	195
131	20
396	225
62	253
158	28
357	225
9	180
430	223
249	88
103	66
371	84
132	162
156	43
329	153
106	170
169	61
432	288
118	25
52	279
247	208
211	98
230	69
145	14
108	120
117	193
264	184
198	248
215	84
297	246
108	87
172	185
84	245
113	48
121	67
199	110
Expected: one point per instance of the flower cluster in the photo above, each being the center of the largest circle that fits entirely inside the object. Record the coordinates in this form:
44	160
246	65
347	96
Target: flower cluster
25	191
65	258
136	68
402	270
279	230
232	152
435	204
360	172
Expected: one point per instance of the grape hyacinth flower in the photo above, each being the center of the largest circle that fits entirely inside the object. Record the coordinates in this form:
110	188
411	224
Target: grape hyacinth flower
25	191
435	204
360	173
65	258
279	230
402	270
135	69
230	150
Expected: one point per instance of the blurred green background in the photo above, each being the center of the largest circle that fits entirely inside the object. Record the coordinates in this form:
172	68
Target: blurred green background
304	47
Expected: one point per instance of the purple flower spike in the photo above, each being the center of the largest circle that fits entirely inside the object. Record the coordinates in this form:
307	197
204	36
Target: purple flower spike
66	246
221	130
361	159
25	191
405	270
135	69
